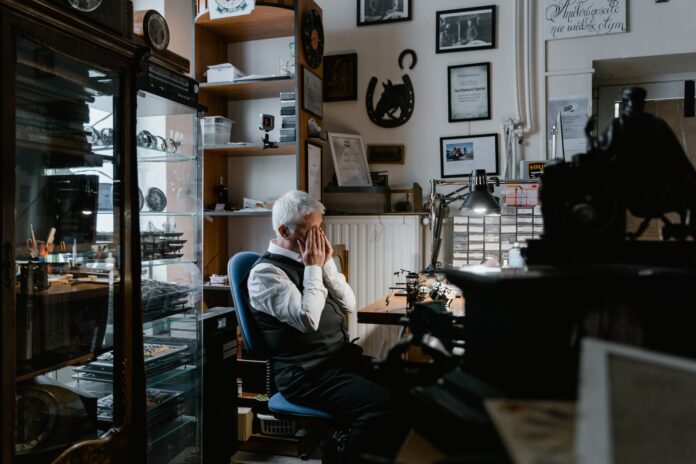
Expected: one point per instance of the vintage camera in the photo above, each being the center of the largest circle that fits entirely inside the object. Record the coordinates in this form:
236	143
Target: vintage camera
267	123
580	200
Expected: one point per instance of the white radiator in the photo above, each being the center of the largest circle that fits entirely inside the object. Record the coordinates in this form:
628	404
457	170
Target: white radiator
378	246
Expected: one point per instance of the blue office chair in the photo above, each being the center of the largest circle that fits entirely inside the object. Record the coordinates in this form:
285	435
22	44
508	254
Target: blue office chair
238	268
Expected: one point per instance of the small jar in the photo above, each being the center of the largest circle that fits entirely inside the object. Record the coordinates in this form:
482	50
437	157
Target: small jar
515	258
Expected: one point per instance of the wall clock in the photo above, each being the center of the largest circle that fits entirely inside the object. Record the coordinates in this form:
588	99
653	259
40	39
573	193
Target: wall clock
230	5
85	5
109	14
312	38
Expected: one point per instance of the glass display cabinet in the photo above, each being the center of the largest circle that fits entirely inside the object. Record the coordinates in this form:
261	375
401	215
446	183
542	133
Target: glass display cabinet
70	382
169	181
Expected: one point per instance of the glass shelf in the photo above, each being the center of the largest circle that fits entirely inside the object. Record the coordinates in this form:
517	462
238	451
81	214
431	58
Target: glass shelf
166	262
168	213
168	429
262	212
150	155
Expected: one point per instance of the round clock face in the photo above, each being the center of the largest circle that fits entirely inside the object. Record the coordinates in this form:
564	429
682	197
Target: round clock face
85	5
312	38
37	415
156	200
158	32
230	5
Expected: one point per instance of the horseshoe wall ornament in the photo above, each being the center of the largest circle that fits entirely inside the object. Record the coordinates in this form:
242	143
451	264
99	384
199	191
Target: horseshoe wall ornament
414	58
395	105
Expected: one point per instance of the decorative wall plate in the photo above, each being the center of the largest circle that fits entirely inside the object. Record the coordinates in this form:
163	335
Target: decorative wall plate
312	38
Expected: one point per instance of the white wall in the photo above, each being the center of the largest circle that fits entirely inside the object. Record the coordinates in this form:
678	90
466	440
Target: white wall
664	28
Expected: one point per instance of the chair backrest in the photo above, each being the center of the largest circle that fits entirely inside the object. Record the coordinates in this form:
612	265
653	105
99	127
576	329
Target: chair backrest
238	268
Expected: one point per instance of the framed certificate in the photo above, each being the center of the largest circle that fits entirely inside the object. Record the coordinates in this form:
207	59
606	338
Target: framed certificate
469	92
311	93
350	161
314	170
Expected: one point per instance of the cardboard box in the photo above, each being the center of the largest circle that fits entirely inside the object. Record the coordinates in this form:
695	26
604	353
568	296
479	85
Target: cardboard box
245	421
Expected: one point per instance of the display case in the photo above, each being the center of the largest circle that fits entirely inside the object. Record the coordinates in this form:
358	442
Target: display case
68	242
169	179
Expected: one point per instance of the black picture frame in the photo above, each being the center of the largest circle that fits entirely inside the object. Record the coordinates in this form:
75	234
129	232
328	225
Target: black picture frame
466	99
372	12
341	77
475	152
312	94
385	154
465	29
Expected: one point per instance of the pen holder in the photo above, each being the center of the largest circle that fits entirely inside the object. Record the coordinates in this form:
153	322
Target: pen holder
412	289
33	277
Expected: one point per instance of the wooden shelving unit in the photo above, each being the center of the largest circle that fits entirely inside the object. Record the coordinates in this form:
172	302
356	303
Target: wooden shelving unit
248	90
252	150
266	22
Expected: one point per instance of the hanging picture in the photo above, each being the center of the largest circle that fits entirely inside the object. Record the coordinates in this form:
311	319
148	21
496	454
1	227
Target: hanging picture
469	92
562	19
314	170
226	8
461	155
341	77
311	92
465	29
383	11
397	100
350	162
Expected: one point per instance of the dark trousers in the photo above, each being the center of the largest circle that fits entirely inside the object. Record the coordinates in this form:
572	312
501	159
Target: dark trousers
350	390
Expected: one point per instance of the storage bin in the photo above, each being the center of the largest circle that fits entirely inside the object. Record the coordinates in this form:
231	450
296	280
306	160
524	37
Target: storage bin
223	72
277	427
216	130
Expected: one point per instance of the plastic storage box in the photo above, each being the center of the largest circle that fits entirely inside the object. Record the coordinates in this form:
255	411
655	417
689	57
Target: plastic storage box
216	130
224	72
277	427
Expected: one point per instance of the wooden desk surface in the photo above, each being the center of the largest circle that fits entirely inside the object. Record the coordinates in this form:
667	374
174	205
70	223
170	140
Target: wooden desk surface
379	312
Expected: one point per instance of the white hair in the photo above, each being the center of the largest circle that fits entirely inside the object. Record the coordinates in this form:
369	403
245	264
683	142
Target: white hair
290	209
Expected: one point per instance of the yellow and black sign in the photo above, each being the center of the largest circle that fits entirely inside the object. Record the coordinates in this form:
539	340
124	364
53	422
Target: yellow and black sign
534	169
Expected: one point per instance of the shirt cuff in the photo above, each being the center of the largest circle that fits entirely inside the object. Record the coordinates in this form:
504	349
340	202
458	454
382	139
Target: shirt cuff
330	267
312	272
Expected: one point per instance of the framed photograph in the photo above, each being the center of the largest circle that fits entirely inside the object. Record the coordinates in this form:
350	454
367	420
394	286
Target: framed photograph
465	29
313	167
469	91
383	11
311	92
461	155
348	153
385	154
341	77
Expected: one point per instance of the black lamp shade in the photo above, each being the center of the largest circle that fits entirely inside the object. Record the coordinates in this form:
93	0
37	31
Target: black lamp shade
480	200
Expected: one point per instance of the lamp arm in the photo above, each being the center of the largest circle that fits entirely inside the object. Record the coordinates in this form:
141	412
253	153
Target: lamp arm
438	213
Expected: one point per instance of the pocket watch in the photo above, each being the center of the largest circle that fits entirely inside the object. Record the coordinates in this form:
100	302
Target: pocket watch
312	38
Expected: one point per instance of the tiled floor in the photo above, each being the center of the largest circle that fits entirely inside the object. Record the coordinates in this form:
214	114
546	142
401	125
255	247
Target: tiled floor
245	457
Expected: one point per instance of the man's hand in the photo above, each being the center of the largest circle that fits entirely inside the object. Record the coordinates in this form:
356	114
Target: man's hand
312	249
328	249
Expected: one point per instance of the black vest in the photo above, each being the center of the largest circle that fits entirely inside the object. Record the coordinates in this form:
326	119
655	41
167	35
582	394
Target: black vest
287	346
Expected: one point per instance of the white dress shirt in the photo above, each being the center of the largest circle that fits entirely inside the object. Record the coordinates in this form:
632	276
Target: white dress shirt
272	292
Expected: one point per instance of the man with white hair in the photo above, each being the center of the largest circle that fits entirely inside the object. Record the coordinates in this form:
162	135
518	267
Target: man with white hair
299	299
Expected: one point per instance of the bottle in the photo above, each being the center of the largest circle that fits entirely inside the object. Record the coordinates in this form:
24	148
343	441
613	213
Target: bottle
110	262
221	194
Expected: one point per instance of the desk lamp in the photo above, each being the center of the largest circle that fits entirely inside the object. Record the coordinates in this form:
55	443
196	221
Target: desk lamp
477	201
